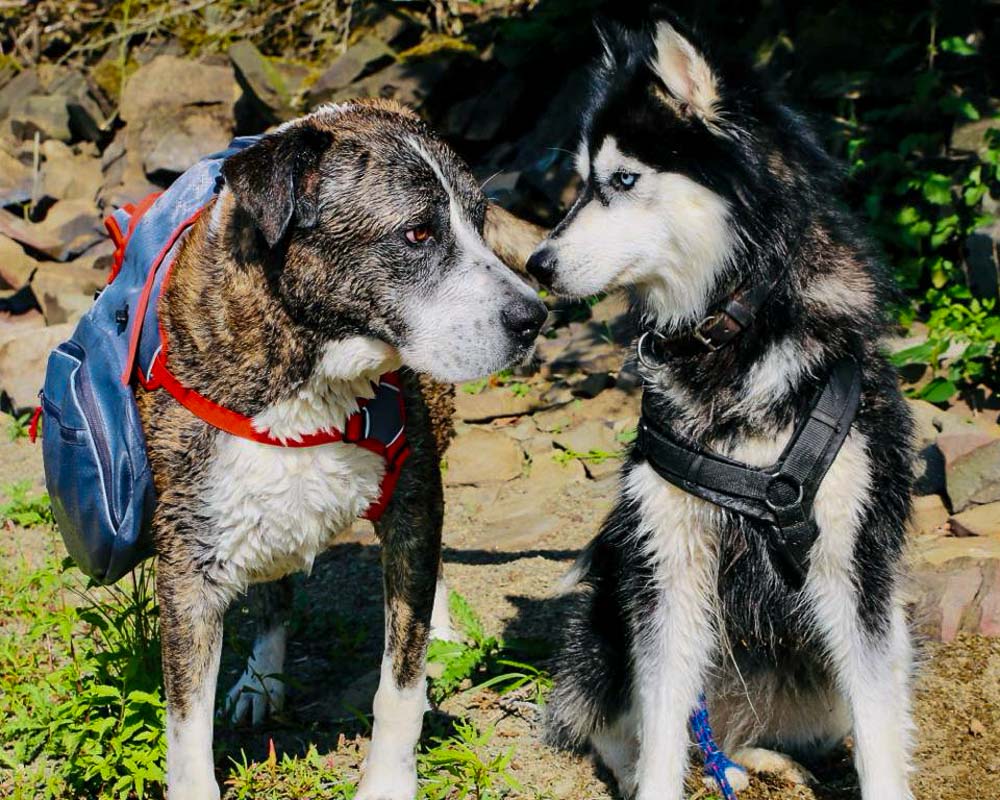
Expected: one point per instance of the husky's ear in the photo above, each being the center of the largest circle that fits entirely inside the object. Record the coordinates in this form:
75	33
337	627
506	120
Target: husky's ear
277	179
685	72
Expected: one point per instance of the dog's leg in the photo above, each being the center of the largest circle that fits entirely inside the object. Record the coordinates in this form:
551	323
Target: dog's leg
441	617
411	552
675	639
260	691
874	673
191	611
617	747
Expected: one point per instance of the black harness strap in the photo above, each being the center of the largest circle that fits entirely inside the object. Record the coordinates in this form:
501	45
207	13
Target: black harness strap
781	495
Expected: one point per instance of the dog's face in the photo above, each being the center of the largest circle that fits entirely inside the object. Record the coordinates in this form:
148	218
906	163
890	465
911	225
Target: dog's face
664	162
374	227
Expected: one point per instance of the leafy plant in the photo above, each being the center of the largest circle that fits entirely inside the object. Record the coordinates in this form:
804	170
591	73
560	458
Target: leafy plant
18	426
24	509
457	767
591	456
290	778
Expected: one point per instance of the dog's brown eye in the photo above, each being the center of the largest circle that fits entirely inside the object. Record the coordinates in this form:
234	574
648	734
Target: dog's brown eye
419	235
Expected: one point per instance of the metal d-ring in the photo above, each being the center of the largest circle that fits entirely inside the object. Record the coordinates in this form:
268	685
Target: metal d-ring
639	346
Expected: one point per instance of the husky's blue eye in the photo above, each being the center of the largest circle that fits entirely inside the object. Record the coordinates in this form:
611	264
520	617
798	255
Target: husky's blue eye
623	181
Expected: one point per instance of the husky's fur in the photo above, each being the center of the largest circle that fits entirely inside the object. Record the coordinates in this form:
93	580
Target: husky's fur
301	284
696	181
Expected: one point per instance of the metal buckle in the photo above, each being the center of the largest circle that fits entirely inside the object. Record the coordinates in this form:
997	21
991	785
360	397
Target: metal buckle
699	333
788	480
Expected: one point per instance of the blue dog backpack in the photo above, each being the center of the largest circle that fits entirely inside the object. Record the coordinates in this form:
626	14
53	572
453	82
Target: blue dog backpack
97	469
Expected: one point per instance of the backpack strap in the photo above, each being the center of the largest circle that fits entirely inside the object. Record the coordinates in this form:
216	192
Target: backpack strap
781	496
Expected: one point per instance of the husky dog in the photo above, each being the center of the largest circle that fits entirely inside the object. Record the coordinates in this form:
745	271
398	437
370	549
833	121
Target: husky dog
345	245
698	184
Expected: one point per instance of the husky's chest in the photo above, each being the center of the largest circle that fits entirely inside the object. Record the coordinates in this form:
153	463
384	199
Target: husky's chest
276	508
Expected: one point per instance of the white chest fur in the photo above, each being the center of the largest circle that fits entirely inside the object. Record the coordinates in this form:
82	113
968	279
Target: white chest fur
274	509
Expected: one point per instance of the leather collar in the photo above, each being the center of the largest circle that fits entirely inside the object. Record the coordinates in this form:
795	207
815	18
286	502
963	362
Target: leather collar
713	332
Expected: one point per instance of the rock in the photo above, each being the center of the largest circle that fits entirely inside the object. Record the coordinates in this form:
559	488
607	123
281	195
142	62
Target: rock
46	115
955	445
397	30
493	403
16	180
974	476
75	225
266	98
982	261
983	520
168	83
16	266
481	117
18	89
66	291
480	456
33	236
963	595
410	83
177	111
929	516
592	435
67	175
593	385
168	153
88	109
23	356
362	58
970	137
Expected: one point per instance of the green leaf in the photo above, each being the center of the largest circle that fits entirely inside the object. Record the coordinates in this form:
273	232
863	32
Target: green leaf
937	189
957	46
918	354
939	390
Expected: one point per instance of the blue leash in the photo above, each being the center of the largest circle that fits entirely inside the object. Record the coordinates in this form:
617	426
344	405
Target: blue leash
716	762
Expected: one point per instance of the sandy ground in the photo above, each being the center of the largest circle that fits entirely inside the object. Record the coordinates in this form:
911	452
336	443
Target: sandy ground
508	572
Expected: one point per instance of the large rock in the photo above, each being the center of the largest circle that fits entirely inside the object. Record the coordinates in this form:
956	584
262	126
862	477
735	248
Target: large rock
66	291
75	225
176	111
68	175
480	456
16	180
492	403
970	137
982	260
410	83
974	476
23	355
365	56
46	115
981	520
267	97
33	236
15	91
16	266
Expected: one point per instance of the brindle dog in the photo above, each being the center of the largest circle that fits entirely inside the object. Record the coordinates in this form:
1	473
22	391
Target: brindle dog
346	244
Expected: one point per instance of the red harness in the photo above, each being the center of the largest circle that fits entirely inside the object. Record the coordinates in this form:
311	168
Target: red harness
159	376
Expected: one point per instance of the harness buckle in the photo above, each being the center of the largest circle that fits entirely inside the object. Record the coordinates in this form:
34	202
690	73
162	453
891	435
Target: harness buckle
779	479
699	332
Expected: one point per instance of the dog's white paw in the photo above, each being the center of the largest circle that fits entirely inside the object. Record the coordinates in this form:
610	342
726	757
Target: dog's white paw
401	786
255	697
769	762
193	788
738	779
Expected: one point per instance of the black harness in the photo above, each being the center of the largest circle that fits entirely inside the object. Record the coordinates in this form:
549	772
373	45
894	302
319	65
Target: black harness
780	496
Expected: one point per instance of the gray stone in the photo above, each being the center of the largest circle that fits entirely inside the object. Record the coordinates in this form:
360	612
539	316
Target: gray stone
266	98
480	117
46	115
981	520
593	385
982	261
397	30
363	57
168	84
23	85
34	236
591	435
929	516
89	110
67	175
493	403
66	291
16	266
970	137
75	225
23	356
482	456
171	151
410	83
974	477
16	180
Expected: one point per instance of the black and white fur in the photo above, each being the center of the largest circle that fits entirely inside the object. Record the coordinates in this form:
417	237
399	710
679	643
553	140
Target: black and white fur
696	180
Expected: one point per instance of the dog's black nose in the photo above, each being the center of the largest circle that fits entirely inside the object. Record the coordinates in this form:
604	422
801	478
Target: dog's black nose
524	319
542	265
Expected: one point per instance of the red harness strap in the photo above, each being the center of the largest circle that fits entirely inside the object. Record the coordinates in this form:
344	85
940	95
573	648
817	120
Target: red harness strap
159	376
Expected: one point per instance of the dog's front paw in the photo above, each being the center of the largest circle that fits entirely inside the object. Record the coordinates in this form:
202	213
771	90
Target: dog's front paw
769	762
402	786
255	696
193	787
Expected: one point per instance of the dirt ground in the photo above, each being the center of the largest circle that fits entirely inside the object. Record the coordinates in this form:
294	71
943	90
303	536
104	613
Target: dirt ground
508	572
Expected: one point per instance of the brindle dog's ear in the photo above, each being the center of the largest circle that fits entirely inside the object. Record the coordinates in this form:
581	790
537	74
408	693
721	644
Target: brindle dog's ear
278	178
